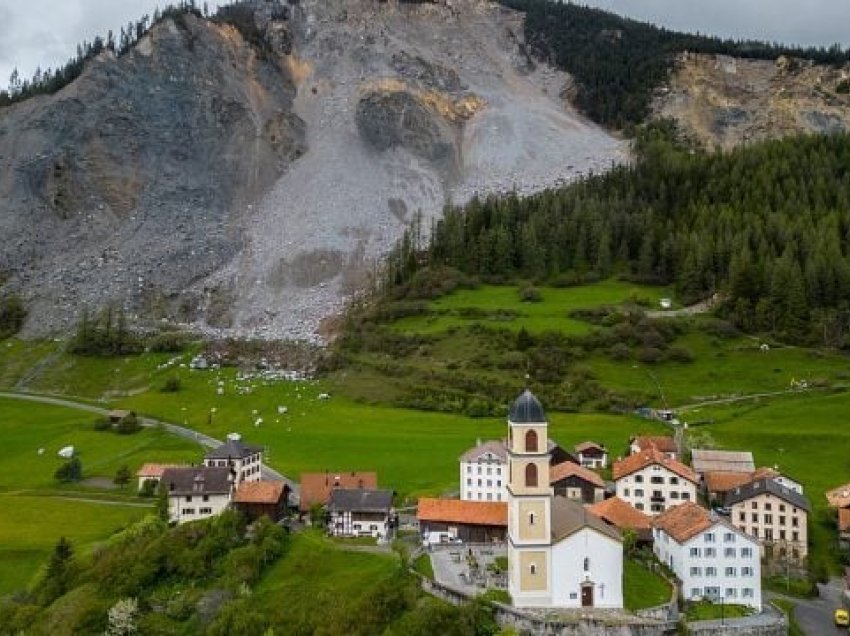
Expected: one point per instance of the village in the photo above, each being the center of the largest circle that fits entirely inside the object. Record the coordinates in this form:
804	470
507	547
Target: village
546	531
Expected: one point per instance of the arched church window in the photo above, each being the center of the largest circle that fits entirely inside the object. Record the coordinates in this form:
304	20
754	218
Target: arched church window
531	442
586	564
531	476
532	568
531	518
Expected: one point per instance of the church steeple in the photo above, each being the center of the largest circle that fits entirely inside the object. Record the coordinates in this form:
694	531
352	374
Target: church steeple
529	502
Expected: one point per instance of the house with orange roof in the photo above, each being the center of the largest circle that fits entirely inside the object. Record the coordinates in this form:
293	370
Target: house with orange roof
152	472
592	455
442	520
652	482
316	488
261	498
661	443
624	516
576	482
712	559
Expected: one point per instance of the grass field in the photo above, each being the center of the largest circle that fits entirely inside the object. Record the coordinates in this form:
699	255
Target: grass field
643	588
706	611
37	511
502	307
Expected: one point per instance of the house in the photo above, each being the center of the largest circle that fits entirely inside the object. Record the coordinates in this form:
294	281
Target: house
262	498
663	444
483	469
719	484
652	482
197	492
839	498
469	521
777	515
559	554
316	488
361	512
245	460
483	472
716	461
577	483
624	516
711	558
592	455
152	472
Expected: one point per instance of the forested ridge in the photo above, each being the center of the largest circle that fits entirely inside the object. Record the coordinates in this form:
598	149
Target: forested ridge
618	63
767	226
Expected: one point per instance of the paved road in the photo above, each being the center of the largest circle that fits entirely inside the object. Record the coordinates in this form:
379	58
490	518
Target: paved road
181	431
815	616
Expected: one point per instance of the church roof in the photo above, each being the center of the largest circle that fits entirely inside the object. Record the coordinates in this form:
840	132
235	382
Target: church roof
568	517
527	409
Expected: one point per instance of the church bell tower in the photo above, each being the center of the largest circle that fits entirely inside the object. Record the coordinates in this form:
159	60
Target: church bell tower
529	504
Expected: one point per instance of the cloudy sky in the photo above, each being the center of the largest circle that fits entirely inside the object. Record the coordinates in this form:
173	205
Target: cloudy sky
45	32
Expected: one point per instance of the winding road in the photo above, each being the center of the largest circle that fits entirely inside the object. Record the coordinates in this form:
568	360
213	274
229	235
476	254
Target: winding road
181	431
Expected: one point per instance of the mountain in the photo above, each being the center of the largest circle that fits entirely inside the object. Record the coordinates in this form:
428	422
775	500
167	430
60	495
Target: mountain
242	175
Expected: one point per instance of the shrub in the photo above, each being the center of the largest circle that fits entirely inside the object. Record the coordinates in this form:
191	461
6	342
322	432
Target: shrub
102	424
129	425
12	316
650	355
70	471
148	488
172	385
680	354
619	352
122	476
167	342
530	295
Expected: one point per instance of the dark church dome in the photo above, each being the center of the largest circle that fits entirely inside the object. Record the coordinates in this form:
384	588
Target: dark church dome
527	410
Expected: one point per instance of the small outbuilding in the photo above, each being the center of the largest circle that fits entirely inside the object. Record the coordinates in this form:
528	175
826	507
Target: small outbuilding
361	513
468	521
262	498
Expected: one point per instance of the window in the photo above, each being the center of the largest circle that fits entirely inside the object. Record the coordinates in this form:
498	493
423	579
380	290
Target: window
498	496
586	564
742	516
768	519
731	592
489	496
205	511
638	506
657	479
696	592
731	572
768	534
794	522
709	537
532	569
489	483
767	506
754	505
479	495
674	495
468	469
754	518
187	511
686	496
468	482
638	492
479	482
696	571
710	553
531	518
188	498
711	571
625	492
498	470
747	592
656	494
746	571
782	535
657	508
729	552
729	537
638	479
795	536
531	474
781	507
674	481
695	552
782	520
499	483
479	470
531	442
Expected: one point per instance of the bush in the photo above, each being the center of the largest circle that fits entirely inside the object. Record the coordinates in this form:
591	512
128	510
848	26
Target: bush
650	355
129	425
619	352
167	342
122	476
148	488
102	424
12	316
172	385
680	354
70	471
530	295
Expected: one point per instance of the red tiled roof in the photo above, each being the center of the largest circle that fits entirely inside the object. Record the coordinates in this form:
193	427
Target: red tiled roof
723	482
580	448
661	442
621	514
638	461
154	470
684	521
260	492
568	469
478	513
316	488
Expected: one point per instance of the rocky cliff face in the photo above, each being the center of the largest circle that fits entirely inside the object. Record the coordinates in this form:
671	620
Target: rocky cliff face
248	188
723	101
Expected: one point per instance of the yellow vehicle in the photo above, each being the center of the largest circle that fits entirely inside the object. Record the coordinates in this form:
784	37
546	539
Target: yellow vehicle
842	618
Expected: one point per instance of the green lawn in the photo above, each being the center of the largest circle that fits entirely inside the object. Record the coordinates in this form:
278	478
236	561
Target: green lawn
31	525
643	588
37	510
503	307
423	565
705	611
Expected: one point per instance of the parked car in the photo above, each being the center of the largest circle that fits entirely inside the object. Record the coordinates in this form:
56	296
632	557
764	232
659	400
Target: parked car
842	618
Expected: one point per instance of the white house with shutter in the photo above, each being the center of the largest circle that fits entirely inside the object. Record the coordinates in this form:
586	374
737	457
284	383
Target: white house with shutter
197	492
712	559
245	460
652	482
483	472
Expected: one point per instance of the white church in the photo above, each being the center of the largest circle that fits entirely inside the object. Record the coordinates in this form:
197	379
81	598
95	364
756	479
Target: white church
559	555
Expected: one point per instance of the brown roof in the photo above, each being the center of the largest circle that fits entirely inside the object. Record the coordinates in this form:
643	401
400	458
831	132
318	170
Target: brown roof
638	461
198	480
839	497
568	469
684	521
722	482
580	448
316	488
844	519
154	470
492	446
568	517
704	461
621	514
661	442
477	513
260	492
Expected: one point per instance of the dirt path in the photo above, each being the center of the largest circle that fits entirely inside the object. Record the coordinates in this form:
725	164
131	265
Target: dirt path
181	431
691	310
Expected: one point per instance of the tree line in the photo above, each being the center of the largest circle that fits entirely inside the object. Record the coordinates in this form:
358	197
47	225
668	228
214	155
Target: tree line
766	226
618	63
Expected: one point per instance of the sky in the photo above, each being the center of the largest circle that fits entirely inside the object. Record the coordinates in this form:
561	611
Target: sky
46	32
